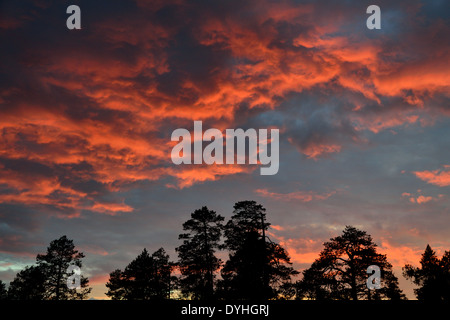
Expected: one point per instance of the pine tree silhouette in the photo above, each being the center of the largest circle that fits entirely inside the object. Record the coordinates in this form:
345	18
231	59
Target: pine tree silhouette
197	261
433	276
147	277
258	268
340	271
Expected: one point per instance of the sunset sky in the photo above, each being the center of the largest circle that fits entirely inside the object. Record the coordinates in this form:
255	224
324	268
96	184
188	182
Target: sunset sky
86	118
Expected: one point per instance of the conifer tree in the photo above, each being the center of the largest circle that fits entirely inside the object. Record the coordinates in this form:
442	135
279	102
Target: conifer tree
197	261
147	277
61	254
258	268
433	277
340	272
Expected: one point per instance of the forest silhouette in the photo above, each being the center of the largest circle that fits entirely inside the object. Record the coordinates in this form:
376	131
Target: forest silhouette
257	268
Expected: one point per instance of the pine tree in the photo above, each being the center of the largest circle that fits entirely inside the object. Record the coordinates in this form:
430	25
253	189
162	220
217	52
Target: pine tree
161	279
197	261
445	276
54	264
258	268
340	272
117	286
147	277
433	278
29	284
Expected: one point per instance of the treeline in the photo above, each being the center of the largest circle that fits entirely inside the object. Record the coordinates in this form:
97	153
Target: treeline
48	278
257	267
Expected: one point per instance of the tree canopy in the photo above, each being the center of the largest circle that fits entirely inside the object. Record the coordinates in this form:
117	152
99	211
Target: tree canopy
257	268
147	277
340	272
433	277
28	284
47	280
197	261
61	254
3	291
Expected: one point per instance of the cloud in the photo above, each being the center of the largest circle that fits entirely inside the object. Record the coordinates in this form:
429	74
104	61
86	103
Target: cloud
86	116
111	208
302	196
33	184
421	199
277	227
186	177
438	177
110	98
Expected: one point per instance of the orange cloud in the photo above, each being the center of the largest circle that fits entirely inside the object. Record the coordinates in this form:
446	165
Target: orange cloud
188	175
313	151
406	194
433	76
383	121
41	190
439	177
111	102
111	208
423	199
277	227
420	199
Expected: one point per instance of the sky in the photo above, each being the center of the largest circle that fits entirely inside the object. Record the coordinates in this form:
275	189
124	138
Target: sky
86	118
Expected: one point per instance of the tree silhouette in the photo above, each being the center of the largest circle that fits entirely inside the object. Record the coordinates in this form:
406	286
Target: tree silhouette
3	291
433	277
340	270
197	261
118	286
29	284
317	284
147	277
258	268
54	264
161	275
